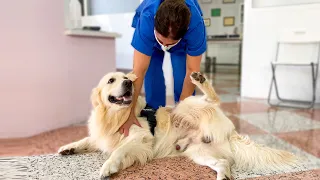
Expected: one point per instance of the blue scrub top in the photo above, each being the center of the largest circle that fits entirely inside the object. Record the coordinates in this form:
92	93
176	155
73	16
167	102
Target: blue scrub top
193	43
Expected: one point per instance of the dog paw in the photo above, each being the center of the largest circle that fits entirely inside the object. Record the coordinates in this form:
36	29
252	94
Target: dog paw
226	178
109	167
226	173
104	177
197	77
66	150
206	139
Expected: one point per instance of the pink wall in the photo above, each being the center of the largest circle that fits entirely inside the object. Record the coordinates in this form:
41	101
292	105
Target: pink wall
45	77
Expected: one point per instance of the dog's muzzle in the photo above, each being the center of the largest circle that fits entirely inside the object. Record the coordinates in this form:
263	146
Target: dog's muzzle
126	98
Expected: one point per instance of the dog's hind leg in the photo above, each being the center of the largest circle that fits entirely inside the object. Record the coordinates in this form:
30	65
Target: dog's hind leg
204	85
205	157
82	146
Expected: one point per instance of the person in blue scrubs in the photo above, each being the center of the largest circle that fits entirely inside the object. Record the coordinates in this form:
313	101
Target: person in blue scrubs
175	26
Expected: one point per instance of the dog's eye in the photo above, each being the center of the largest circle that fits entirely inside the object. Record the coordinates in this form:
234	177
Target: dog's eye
125	78
111	80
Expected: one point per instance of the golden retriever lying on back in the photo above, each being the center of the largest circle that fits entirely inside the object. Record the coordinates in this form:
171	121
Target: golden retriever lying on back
197	125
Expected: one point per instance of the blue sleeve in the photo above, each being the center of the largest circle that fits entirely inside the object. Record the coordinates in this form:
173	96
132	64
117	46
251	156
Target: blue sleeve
143	37
196	40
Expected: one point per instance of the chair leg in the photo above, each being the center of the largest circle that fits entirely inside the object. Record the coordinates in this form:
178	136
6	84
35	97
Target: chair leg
314	73
274	81
314	81
271	86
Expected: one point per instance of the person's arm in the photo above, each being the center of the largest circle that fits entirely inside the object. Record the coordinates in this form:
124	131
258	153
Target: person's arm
140	65
196	46
193	65
142	42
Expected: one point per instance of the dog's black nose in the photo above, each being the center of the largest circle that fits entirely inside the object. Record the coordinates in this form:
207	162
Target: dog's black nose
127	83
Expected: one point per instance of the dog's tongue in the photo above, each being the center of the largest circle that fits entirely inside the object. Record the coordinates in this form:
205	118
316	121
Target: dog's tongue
124	98
119	98
127	98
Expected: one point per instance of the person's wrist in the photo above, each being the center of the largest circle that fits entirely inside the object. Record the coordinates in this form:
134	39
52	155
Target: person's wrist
132	111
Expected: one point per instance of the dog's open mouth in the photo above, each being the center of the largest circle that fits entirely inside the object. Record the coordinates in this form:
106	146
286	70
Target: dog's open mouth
125	99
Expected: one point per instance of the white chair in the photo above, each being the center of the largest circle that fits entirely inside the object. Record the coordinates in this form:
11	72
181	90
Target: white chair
296	40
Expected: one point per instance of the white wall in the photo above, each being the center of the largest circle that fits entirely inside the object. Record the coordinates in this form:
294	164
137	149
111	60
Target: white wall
111	15
98	7
270	3
261	29
120	23
217	27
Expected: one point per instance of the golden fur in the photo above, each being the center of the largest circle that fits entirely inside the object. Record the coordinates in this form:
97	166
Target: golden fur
185	125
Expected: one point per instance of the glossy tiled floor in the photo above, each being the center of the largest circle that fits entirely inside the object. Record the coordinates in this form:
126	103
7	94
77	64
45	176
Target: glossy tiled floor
291	129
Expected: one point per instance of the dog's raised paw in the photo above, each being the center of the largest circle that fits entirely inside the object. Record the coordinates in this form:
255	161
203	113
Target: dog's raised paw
198	77
65	152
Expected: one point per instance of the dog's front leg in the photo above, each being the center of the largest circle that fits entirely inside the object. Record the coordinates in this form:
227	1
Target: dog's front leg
125	155
82	146
113	163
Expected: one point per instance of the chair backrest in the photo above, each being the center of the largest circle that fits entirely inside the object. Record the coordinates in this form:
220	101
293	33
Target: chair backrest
298	47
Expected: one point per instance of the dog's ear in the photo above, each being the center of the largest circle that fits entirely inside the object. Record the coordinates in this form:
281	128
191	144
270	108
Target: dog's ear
131	76
96	97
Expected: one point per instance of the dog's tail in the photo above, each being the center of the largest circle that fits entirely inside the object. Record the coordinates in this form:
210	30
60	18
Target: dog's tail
249	155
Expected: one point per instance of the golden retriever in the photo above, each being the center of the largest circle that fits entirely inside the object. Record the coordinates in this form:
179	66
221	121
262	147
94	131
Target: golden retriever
196	128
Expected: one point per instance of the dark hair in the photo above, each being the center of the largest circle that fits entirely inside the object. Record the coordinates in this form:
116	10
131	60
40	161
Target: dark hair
172	19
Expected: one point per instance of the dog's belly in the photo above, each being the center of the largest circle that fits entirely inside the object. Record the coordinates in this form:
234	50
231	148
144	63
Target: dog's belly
164	144
163	138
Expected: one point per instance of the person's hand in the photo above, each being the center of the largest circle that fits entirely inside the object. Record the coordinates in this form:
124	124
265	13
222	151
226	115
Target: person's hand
124	129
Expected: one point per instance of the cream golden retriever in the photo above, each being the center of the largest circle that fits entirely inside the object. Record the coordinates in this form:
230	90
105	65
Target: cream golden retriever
196	128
